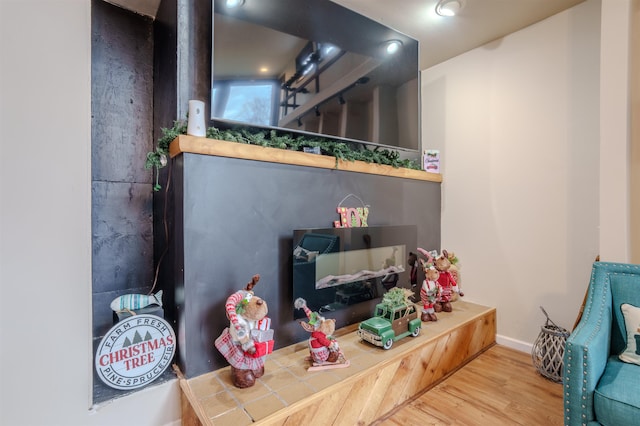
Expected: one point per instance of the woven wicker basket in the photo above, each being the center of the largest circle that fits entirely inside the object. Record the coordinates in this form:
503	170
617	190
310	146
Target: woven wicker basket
548	350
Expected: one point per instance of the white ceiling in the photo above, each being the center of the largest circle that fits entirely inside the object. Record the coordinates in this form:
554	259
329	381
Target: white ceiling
479	22
143	7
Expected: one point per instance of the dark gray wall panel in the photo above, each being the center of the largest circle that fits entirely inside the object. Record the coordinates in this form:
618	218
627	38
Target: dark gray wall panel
121	136
165	66
121	87
121	95
122	231
238	220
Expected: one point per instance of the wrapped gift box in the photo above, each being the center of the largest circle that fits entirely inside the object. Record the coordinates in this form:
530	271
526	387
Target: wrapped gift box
264	324
263	348
261	335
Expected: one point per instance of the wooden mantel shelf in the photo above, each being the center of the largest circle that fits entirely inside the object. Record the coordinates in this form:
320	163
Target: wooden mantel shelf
205	146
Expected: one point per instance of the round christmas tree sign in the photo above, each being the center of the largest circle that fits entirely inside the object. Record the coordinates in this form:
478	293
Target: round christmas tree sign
135	351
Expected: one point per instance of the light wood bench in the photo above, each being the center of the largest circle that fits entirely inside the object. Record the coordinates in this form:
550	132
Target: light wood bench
376	382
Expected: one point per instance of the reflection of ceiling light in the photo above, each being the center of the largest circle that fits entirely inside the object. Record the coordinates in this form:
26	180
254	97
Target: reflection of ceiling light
234	3
392	46
328	49
448	7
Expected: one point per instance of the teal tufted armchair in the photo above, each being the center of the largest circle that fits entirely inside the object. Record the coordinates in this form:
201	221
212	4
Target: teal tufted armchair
598	387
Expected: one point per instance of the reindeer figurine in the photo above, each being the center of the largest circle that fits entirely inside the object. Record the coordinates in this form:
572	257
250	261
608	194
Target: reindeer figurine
430	292
446	280
249	338
447	283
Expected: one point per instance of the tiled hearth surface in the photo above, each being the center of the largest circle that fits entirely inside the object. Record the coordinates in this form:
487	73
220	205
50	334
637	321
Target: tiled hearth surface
286	379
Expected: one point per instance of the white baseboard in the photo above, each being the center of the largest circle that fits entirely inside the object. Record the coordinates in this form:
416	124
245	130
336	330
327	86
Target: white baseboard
514	344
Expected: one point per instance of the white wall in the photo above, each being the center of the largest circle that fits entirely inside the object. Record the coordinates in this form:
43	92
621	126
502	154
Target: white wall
517	123
615	131
45	225
635	133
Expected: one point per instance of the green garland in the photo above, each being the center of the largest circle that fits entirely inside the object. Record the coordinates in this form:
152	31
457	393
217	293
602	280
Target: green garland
158	159
341	151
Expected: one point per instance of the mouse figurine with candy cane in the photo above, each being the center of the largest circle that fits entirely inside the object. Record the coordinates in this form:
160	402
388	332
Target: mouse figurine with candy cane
323	347
430	292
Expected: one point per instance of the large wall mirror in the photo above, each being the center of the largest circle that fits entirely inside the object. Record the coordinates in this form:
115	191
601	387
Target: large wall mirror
314	67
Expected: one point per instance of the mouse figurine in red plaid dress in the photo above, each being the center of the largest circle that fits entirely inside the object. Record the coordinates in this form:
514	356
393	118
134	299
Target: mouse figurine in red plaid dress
323	347
248	339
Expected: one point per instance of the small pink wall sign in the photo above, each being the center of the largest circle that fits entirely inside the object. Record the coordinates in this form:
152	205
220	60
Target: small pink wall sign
352	217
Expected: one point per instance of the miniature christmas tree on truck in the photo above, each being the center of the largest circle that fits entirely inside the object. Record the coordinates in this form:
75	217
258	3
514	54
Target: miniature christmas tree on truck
395	318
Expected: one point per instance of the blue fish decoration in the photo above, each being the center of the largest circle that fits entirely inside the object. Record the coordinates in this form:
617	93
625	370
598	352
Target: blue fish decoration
136	301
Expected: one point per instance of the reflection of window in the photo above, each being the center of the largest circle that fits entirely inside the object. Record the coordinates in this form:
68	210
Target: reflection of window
253	102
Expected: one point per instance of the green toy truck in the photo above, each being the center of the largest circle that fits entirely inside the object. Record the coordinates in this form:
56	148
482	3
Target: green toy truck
391	322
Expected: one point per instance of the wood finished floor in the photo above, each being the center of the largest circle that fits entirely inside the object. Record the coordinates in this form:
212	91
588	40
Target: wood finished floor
499	387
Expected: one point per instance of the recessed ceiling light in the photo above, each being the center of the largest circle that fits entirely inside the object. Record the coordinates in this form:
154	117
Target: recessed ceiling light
392	46
448	7
264	70
234	3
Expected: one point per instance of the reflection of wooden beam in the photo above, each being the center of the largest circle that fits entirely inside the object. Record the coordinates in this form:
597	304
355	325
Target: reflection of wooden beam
344	118
348	80
319	70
